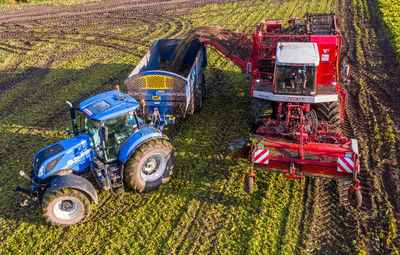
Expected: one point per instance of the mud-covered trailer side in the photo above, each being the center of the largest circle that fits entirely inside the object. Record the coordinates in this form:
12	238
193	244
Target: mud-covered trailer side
169	92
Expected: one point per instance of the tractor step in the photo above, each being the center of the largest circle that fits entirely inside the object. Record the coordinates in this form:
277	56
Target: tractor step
117	184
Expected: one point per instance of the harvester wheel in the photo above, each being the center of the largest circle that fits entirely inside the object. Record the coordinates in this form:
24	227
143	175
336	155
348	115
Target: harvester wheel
355	197
150	166
259	108
65	207
329	112
249	184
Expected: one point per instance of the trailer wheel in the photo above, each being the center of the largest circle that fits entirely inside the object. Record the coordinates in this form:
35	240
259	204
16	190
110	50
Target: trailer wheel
329	112
65	207
198	100
249	184
191	107
200	95
150	166
259	108
355	197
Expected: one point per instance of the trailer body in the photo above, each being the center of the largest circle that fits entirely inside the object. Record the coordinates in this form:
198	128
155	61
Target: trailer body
172	94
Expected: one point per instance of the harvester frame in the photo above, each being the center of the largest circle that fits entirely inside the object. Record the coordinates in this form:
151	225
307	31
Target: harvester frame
290	136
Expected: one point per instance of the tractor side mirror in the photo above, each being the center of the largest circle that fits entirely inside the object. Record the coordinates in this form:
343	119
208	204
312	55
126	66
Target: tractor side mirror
104	133
346	70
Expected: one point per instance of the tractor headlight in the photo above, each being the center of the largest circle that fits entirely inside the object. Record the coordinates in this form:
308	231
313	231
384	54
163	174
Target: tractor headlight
41	170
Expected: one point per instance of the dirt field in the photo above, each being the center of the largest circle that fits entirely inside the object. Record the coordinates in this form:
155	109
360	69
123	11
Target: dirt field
52	54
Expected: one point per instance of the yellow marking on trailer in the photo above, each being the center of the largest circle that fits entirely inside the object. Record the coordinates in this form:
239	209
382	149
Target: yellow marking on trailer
156	98
157	82
161	91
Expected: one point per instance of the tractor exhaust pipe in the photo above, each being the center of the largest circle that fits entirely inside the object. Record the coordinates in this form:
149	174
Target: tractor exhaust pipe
73	117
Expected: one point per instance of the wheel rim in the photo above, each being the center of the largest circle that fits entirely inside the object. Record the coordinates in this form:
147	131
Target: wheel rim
153	167
66	209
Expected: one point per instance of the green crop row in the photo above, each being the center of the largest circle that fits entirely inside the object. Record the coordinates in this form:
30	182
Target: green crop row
390	10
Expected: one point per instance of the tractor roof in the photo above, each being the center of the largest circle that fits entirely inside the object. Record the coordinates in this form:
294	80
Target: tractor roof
297	53
108	105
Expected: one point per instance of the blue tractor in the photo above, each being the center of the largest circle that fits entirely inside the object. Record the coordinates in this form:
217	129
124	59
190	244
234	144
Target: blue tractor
113	145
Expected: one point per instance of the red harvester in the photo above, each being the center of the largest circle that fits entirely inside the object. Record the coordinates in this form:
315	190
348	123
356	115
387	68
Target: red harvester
298	99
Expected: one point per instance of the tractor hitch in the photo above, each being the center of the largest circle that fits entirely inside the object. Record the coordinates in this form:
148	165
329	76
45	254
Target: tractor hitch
22	190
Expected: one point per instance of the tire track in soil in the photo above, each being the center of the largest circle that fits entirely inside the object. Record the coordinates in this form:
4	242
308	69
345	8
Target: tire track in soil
339	223
218	146
51	12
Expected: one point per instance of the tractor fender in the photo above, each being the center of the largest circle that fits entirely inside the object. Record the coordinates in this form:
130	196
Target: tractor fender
74	182
143	135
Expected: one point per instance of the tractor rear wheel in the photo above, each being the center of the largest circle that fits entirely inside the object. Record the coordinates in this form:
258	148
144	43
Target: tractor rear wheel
65	207
150	166
249	184
355	197
259	108
329	112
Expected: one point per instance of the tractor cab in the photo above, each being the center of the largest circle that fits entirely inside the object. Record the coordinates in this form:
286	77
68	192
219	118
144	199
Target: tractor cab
110	119
296	68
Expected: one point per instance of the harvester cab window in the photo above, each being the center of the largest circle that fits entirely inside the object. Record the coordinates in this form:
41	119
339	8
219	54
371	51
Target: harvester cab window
119	130
295	80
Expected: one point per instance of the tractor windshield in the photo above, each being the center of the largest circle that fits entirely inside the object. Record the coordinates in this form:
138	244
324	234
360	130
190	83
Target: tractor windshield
295	80
119	130
92	128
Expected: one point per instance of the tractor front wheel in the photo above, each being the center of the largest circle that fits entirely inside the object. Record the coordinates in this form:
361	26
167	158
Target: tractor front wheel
65	207
355	197
150	166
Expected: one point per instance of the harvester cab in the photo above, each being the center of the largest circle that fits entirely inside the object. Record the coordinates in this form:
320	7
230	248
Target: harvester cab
112	144
296	68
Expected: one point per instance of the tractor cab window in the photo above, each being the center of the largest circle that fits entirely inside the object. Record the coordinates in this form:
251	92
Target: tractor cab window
295	80
92	128
119	130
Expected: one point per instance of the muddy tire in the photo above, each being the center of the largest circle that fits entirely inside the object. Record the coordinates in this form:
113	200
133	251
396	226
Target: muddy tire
249	184
329	112
355	198
259	108
65	207
150	165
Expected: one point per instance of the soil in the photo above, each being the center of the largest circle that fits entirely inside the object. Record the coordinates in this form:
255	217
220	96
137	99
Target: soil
380	158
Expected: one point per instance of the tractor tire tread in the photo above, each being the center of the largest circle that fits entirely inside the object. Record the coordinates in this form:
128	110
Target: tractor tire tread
49	196
133	164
